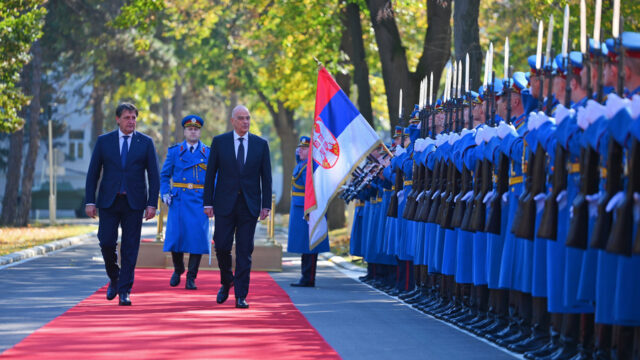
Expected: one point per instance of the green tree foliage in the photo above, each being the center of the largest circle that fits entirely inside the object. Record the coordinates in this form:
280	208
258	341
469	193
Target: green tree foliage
21	22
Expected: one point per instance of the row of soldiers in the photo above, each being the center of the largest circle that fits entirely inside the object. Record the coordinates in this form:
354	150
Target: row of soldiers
512	212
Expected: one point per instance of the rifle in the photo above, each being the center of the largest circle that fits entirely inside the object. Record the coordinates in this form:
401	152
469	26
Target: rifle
526	213
441	183
589	178
418	185
548	228
460	207
494	218
410	205
469	210
602	229
620	239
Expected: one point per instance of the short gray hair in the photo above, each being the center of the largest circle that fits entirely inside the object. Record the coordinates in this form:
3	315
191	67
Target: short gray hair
238	108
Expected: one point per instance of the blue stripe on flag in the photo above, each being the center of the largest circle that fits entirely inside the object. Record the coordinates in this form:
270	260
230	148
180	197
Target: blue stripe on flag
338	113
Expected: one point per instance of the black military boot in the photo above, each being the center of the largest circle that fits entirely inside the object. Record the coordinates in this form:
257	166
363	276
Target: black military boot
192	273
178	268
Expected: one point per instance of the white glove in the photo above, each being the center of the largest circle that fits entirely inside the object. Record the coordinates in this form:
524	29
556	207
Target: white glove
479	135
466	131
542	118
418	146
636	207
467	196
615	201
561	199
583	121
505	197
593	200
488	196
505	129
400	150
435	195
540	199
453	138
635	107
532	120
563	113
489	133
166	198
615	103
594	111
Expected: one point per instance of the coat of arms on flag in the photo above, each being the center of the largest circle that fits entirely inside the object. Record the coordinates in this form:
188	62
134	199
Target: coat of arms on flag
341	139
325	146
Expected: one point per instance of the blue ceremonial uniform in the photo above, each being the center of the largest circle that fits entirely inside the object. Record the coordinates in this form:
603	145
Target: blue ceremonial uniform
187	224
298	241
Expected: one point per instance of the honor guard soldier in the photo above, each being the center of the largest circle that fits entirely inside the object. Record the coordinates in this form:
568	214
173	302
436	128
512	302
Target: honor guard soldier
181	186
298	227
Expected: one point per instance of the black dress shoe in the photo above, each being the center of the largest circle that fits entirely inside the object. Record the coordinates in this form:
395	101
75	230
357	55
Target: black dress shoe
190	284
124	300
241	303
303	284
223	294
175	279
112	290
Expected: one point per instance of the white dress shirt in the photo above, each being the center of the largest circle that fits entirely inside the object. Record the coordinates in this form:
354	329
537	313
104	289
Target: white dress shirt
121	136
245	141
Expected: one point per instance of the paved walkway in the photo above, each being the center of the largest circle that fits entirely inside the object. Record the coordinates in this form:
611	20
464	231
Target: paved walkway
357	320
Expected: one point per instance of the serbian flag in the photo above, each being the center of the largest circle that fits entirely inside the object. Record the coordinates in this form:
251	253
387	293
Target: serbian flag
340	140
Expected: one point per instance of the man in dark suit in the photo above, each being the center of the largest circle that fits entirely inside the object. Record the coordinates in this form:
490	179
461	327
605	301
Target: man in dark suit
237	188
122	157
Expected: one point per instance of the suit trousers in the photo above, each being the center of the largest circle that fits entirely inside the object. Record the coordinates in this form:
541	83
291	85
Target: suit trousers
241	224
120	214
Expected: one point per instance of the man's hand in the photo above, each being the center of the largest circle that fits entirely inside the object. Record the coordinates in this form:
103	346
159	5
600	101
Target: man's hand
91	211
264	213
209	211
149	213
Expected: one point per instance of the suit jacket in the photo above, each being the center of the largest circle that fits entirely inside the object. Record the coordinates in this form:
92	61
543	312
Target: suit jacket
105	160
224	181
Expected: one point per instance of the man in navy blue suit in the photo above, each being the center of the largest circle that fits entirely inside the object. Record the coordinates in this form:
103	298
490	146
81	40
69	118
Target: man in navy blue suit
237	188
122	157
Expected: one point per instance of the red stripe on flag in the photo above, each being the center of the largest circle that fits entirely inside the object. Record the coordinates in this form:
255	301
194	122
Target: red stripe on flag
326	88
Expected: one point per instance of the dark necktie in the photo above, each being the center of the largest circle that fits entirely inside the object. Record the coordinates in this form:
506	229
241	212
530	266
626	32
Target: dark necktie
241	154
125	150
123	160
191	149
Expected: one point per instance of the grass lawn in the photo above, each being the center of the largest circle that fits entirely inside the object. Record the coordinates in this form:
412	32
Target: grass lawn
14	239
339	240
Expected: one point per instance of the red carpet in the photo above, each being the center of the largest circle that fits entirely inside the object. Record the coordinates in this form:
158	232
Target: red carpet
174	323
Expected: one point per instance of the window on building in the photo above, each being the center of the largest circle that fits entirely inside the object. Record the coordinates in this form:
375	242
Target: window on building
76	144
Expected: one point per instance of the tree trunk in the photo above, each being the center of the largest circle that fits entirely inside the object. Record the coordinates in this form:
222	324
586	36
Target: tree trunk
357	56
24	209
393	58
176	109
166	129
436	50
14	166
97	99
467	38
283	122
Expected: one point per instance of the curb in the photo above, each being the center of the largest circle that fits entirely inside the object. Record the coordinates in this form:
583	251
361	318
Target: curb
45	248
341	262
